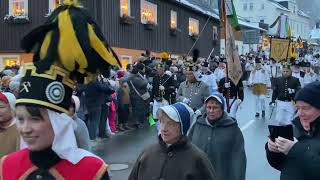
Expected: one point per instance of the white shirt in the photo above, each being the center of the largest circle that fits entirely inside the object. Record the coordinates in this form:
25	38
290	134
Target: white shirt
210	80
274	70
259	77
308	78
219	73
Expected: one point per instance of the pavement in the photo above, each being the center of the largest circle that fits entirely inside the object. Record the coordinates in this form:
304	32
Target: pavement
122	150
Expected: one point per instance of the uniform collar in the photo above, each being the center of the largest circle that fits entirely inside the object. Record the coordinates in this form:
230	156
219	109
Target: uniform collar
44	159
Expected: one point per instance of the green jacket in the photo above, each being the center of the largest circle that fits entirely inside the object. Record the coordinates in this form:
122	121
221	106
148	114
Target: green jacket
223	142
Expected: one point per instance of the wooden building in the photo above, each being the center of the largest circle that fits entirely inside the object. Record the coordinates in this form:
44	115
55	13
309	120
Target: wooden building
130	26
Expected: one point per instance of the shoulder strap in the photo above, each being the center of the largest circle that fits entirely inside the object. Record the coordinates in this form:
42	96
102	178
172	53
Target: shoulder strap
134	88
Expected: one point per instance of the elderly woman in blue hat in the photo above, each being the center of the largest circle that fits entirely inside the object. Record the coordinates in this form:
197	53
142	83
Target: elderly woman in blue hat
219	136
173	157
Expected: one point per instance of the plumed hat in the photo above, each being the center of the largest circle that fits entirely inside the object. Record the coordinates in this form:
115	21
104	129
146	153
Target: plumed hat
69	47
286	65
164	55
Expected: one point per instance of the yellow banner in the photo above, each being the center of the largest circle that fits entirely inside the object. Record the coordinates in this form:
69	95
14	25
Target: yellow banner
279	49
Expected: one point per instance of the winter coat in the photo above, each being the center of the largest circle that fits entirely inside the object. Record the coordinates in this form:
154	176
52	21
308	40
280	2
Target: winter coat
303	160
139	106
97	93
223	143
180	161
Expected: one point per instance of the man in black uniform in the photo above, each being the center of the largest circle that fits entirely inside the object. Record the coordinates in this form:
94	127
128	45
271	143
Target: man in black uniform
234	92
163	91
284	91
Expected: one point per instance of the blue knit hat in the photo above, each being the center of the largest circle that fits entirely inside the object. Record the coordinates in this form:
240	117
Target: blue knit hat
180	113
218	97
310	94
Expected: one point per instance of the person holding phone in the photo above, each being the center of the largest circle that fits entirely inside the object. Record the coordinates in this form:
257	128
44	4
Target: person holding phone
300	159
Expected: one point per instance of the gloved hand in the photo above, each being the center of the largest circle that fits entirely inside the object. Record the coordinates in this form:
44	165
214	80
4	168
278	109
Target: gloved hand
186	100
161	88
151	103
149	86
291	91
227	85
272	103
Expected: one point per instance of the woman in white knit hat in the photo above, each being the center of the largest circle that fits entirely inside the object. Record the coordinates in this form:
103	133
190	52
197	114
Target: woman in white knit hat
9	136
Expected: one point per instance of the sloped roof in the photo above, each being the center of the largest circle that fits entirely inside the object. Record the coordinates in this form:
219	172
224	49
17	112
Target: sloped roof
279	6
214	13
301	13
315	34
249	25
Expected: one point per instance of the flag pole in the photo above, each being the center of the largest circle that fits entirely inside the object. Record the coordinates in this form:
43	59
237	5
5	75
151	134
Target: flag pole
224	19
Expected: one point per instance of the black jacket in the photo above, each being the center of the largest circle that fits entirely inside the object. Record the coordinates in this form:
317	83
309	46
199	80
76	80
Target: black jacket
280	89
235	91
303	160
169	92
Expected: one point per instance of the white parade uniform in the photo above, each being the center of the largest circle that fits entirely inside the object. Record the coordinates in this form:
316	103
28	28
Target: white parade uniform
220	73
259	79
211	81
308	78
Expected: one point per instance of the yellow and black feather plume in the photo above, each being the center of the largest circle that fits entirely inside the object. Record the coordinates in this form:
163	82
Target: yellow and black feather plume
71	39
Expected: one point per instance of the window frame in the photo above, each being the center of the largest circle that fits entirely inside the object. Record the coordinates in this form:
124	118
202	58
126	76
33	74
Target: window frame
251	6
51	5
11	56
129	60
155	6
245	6
26	8
173	14
198	24
215	32
129	8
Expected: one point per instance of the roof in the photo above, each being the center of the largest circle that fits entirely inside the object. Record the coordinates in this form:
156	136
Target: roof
214	13
249	25
301	13
279	6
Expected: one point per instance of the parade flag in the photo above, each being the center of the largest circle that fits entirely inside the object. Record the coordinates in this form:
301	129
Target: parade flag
279	49
299	43
231	52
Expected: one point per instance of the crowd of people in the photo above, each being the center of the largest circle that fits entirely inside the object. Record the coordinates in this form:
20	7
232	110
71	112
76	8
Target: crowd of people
52	109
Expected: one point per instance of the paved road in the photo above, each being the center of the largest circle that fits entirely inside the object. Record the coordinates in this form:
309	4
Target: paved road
124	148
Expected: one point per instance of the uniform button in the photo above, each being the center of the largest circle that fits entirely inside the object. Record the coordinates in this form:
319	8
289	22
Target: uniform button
161	178
209	138
170	154
38	177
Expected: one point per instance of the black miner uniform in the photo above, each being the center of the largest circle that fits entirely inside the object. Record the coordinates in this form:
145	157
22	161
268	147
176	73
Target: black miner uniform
169	92
236	92
282	86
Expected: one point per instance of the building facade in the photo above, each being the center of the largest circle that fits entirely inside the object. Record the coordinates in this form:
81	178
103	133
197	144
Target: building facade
130	26
267	11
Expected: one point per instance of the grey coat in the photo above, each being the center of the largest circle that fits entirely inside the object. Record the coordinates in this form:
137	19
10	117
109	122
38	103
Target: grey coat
223	143
180	161
196	92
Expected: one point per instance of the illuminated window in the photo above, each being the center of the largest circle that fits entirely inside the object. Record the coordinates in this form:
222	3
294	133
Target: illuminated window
148	12
124	8
10	61
18	7
173	23
125	60
53	4
193	27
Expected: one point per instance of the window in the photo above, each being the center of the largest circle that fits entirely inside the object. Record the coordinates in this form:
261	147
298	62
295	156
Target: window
53	4
251	6
173	20
215	33
245	6
9	60
148	12
124	8
193	27
125	60
262	6
18	7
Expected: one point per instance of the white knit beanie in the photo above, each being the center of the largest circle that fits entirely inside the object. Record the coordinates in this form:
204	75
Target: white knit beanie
11	99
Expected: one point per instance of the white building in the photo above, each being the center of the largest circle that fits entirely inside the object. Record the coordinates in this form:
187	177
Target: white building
267	11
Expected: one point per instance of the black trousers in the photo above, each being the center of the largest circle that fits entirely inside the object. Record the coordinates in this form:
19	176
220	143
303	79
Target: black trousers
123	114
105	110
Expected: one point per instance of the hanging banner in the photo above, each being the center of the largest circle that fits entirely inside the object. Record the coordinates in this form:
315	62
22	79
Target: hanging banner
279	49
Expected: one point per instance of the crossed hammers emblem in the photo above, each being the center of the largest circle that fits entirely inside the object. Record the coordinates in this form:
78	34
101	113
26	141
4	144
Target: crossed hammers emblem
26	86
